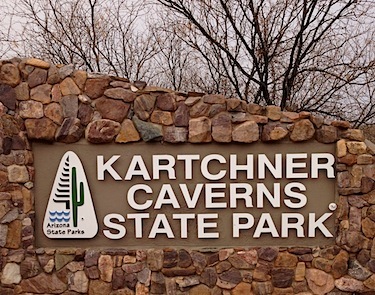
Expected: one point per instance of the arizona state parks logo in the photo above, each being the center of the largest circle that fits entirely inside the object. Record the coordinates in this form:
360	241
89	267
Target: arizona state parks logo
70	212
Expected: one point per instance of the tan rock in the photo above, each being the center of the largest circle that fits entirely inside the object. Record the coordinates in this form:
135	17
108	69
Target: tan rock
120	93
35	62
300	272
68	87
200	109
11	274
162	117
303	130
348	284
43	129
289	117
18	174
54	112
105	266
365	159
341	124
353	134
273	113
242	288
31	109
214	98
175	134
14	235
200	290
255	109
141	289
102	131
319	281
79	282
200	130
42	93
234	104
128	132
341	148
370	282
80	78
356	148
246	132
368	228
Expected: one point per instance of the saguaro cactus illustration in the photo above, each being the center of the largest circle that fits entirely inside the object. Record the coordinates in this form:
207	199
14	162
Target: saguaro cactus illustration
75	202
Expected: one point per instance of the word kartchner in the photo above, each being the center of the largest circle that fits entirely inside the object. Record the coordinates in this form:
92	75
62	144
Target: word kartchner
185	207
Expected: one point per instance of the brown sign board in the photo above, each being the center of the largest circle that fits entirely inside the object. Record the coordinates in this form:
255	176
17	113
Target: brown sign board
149	195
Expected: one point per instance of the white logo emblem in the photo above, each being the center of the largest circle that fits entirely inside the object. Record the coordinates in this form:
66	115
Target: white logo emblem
70	212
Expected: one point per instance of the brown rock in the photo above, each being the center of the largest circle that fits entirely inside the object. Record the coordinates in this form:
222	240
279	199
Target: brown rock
43	283
246	132
102	131
31	109
273	113
242	288
41	93
97	287
181	117
95	87
143	106
268	253
303	130
285	259
250	256
200	130
262	272
322	264
233	105
43	129
8	96
282	277
37	77
85	114
161	117
199	261
175	134
200	290
10	75
53	75
319	282
128	132
120	93
112	109
214	98
155	259
273	132
368	228
166	102
13	240
70	131
200	109
209	277
300	272
18	174
255	109
105	266
22	91
54	112
68	87
170	258
327	134
370	282
239	262
30	267
69	106
184	259
79	282
348	284
80	78
289	117
353	134
176	271
341	124
341	148
222	128
56	93
262	288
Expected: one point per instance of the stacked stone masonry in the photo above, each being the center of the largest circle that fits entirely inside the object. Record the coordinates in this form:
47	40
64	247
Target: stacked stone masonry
41	101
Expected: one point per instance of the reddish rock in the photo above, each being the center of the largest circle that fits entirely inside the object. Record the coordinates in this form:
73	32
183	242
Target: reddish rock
144	105
200	130
30	267
111	109
166	102
120	93
42	93
43	129
175	134
341	124
222	128
319	281
95	87
200	109
233	105
214	99
54	112
68	87
181	117
209	277
282	277
162	117
70	131
268	253
170	258
327	134
8	96
184	259
37	77
98	287
43	283
348	284
273	132
85	113
102	131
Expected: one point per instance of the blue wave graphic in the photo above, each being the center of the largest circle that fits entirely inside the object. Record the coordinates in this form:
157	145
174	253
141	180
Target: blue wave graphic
59	213
59	219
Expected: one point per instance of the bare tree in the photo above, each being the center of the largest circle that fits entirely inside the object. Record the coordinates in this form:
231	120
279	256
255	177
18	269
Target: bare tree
96	35
301	55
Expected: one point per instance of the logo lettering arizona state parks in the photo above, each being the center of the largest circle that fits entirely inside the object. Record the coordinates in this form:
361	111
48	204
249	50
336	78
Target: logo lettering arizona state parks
70	212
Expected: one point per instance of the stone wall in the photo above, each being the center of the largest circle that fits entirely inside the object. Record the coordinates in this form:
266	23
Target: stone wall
40	101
